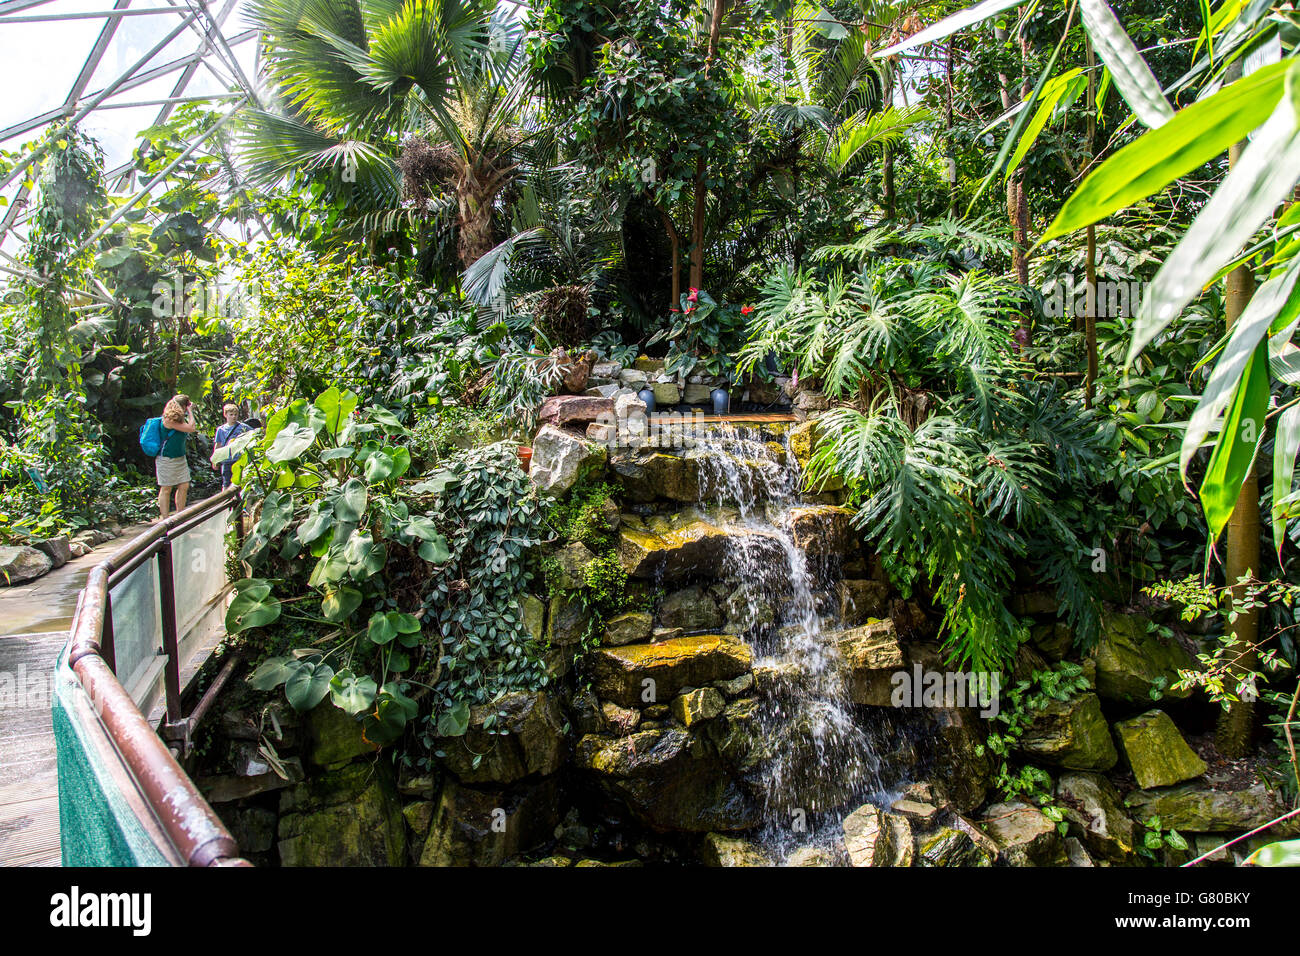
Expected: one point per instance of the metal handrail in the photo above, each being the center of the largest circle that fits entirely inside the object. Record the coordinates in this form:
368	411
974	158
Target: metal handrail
191	825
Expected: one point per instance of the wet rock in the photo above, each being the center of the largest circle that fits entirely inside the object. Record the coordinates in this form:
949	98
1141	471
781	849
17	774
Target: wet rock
633	378
746	608
873	837
861	599
960	767
872	656
567	622
533	613
1194	808
227	788
736	686
334	736
19	564
1076	853
1156	751
561	460
570	561
533	742
1072	734
575	410
1024	835
671	549
807	856
621	721
1130	657
922	814
822	530
720	850
1094	811
669	779
59	549
252	827
1053	641
345	817
1034	604
950	847
632	627
691	609
648	673
478	827
697	706
738	738
648	476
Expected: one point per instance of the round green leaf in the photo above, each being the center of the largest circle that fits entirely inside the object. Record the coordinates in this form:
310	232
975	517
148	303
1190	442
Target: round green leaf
308	685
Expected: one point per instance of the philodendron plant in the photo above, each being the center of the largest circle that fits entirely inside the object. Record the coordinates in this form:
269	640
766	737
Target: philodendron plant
324	481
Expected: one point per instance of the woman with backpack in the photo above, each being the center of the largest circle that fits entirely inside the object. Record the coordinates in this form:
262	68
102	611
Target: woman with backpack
170	466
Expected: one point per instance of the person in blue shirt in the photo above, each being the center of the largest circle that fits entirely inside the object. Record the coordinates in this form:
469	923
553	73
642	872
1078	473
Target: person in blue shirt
227	433
170	466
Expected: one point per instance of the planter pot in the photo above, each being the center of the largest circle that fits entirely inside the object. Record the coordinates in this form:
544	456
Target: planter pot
525	457
647	395
721	401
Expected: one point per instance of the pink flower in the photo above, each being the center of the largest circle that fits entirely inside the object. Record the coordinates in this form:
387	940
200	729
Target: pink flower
694	296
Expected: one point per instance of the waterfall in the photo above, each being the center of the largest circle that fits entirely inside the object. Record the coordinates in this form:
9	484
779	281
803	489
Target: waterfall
818	757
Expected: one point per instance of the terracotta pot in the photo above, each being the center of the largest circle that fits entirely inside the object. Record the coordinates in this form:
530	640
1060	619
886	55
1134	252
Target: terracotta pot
525	457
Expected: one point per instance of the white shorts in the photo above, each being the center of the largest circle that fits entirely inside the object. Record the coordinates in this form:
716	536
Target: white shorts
171	471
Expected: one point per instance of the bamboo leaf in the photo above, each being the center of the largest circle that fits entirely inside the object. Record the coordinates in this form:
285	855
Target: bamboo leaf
1191	139
1286	442
1234	453
949	25
1129	71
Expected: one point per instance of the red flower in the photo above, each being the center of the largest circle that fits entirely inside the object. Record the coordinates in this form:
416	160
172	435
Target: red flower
690	310
694	296
746	309
674	310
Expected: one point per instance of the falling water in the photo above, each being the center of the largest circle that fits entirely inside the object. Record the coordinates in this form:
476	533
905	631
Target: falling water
818	757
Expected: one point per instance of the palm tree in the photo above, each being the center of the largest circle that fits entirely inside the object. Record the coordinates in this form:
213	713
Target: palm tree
392	99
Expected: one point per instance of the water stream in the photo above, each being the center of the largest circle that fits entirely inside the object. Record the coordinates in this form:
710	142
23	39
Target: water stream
819	757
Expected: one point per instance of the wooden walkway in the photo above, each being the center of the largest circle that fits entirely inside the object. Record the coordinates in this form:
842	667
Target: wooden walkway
34	622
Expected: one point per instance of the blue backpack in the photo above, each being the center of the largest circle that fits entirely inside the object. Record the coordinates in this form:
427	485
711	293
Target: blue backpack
151	437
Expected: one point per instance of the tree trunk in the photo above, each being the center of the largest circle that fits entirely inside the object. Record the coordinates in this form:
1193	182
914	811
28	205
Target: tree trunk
675	243
701	191
1017	204
889	200
1090	312
1236	724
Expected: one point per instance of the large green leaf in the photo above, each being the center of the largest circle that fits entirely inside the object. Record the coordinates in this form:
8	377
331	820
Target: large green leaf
336	407
1286	443
1053	91
277	512
338	605
454	721
352	694
364	556
1234	453
1263	176
435	550
1196	135
252	606
331	568
308	685
1247	332
1129	72
379	466
292	441
317	523
272	672
1285	853
351	503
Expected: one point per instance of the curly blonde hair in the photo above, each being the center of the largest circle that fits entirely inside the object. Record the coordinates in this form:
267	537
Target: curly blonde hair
177	410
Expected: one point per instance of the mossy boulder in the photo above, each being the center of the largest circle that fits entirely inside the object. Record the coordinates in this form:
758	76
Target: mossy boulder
346	817
1094	811
1156	751
721	850
696	706
632	627
525	738
1130	656
688	543
862	599
566	622
485	827
533	613
647	673
959	766
691	609
669	779
334	736
647	476
1194	808
1072	734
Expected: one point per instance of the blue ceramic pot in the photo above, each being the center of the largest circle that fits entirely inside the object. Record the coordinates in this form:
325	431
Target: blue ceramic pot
647	395
721	401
